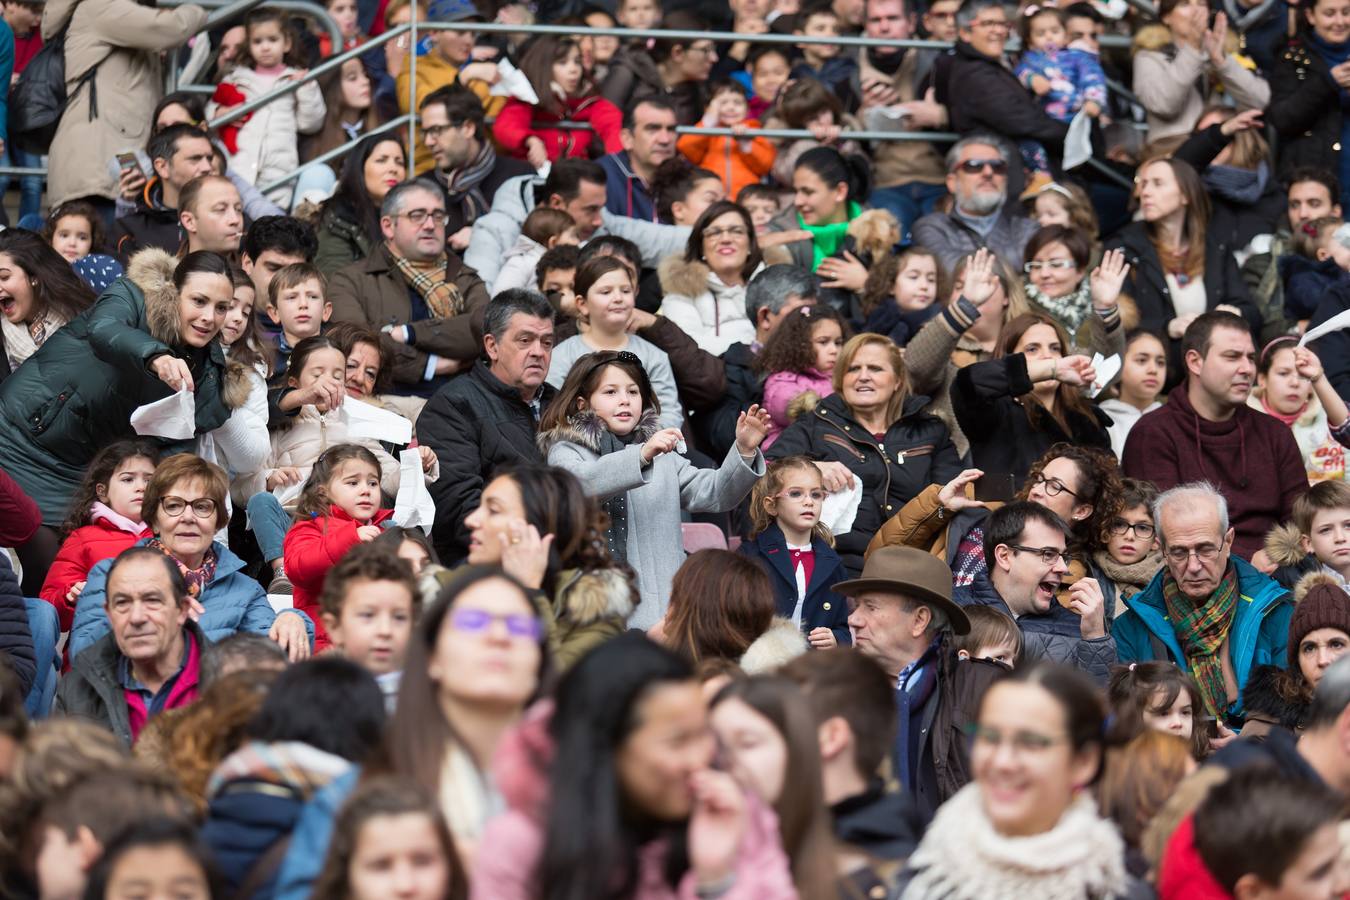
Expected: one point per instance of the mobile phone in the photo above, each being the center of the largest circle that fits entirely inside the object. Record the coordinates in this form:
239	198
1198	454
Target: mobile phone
995	486
128	160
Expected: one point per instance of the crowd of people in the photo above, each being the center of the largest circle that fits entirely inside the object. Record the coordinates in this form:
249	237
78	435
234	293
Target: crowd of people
569	506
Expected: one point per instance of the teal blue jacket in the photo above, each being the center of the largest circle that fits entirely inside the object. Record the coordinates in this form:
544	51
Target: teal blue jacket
1260	633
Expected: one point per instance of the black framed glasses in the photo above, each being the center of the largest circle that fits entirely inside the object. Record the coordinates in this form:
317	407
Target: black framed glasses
1053	486
1048	555
1142	530
418	216
202	507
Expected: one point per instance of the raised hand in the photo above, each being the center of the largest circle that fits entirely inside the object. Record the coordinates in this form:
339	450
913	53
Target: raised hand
525	553
1108	278
953	494
1085	598
664	441
752	427
979	281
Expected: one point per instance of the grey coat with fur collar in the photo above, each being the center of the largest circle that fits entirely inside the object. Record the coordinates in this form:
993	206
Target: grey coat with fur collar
656	494
75	395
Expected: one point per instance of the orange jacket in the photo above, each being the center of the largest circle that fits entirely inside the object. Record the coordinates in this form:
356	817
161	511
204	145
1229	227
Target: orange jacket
724	157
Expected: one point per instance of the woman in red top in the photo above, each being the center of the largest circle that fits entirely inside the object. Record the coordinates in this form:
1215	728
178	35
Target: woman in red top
526	131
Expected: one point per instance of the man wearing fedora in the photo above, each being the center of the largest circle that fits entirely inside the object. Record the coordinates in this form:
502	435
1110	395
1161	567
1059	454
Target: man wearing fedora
1024	546
902	615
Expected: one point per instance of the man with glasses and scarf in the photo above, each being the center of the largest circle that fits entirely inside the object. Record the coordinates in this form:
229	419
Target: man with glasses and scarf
1208	610
1024	546
981	216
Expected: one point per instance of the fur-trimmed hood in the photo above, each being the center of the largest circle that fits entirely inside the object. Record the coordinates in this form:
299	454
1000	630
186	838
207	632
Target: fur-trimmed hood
775	648
1152	37
584	430
874	231
679	276
589	596
1312	580
151	270
1284	545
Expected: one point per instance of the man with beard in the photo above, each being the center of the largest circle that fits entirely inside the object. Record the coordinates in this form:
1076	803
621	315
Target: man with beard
909	174
1207	432
981	216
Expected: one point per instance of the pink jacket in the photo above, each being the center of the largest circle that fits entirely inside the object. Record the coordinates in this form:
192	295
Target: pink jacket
781	388
513	843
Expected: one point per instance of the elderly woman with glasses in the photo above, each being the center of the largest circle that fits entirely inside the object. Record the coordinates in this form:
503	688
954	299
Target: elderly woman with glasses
185	506
705	288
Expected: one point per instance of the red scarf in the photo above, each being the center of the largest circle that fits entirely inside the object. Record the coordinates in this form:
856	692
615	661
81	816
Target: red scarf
227	95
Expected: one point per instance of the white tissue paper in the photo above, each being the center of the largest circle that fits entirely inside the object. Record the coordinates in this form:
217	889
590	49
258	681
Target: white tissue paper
1338	322
413	506
1107	368
287	494
366	421
513	83
1078	142
840	508
174	417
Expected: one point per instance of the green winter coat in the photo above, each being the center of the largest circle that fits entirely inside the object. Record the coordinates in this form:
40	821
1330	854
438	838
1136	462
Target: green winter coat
76	394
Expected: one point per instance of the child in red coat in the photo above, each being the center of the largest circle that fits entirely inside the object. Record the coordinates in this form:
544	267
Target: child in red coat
105	519
553	67
338	509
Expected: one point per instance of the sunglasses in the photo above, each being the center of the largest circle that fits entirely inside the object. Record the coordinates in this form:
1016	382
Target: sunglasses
976	166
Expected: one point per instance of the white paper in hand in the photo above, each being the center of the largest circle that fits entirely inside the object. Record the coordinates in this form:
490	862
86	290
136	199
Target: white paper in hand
413	507
287	494
174	417
1107	369
370	422
1338	322
841	507
513	83
1078	142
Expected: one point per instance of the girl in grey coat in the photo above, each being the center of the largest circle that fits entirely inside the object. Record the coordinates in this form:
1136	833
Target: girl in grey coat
603	428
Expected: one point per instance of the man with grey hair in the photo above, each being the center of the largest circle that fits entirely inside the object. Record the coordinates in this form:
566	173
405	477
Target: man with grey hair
981	216
489	417
427	305
903	616
1208	610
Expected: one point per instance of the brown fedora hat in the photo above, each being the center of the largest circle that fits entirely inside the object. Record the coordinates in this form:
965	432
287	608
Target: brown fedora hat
912	573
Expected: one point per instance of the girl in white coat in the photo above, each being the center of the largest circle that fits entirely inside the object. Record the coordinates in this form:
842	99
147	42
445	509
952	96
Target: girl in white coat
262	144
603	427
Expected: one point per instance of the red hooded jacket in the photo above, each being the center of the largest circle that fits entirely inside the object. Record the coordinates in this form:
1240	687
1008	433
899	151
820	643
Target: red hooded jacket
519	120
311	548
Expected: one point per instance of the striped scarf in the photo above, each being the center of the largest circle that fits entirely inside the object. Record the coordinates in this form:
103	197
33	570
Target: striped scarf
290	764
1201	631
429	280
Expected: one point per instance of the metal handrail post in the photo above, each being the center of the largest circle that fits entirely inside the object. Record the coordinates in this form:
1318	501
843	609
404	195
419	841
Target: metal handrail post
227	13
328	65
412	88
391	125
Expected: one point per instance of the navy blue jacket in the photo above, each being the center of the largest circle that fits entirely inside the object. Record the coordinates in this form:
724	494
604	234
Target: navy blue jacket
625	193
823	608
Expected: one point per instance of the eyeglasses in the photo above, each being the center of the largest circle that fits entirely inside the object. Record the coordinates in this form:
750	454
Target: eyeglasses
976	166
996	24
941	16
202	507
700	48
418	216
1048	555
1141	530
1056	265
1206	553
1023	743
736	231
436	130
476	621
817	495
1053	486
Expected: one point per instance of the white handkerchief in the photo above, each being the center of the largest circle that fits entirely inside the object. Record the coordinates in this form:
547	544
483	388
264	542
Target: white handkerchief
513	83
367	421
286	494
1107	368
1078	142
839	509
1337	322
413	507
174	417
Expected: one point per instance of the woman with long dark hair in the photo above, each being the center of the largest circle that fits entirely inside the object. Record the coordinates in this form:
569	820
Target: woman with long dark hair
613	793
39	293
349	227
705	286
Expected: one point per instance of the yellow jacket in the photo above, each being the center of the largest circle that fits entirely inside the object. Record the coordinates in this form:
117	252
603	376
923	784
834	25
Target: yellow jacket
434	71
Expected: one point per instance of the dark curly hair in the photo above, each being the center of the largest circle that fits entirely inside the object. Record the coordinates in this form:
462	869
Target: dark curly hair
1099	485
789	347
98	242
100	471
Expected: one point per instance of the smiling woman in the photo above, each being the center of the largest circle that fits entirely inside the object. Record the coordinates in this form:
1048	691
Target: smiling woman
39	293
154	333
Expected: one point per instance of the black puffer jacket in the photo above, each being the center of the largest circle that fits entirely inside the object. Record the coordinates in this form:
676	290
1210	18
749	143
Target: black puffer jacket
1305	109
916	451
982	95
475	424
1147	284
16	641
150	224
1007	437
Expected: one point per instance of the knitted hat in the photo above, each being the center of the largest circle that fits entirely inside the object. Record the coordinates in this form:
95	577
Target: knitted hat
1321	603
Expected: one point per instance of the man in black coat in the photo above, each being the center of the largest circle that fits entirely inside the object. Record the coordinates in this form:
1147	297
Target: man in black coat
179	154
489	416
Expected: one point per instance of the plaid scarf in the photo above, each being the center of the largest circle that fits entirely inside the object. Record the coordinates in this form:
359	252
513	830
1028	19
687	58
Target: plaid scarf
197	579
441	296
467	186
1201	631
